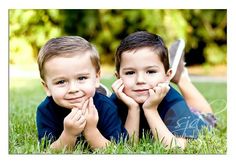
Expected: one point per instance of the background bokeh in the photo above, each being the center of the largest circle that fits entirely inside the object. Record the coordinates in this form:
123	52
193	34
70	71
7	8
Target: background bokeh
204	30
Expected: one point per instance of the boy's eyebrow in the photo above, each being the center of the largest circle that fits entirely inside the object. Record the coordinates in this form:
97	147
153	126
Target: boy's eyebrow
83	73
63	77
58	78
154	66
127	68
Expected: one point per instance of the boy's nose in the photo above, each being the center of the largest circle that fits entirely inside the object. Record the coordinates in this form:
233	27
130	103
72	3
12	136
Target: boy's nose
140	78
73	87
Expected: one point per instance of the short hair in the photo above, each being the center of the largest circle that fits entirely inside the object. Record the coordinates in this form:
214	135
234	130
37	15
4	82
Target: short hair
64	46
140	40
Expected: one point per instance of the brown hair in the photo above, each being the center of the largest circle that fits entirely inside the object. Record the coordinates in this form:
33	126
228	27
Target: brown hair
139	40
66	45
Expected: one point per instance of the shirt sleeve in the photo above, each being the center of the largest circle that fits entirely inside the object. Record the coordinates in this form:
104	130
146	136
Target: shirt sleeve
43	127
48	126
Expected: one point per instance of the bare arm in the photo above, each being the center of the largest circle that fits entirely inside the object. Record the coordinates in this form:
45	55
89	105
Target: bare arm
161	132
133	117
64	141
158	128
95	138
91	133
74	124
132	123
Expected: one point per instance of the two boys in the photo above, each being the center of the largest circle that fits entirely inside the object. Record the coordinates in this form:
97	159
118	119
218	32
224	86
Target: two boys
70	73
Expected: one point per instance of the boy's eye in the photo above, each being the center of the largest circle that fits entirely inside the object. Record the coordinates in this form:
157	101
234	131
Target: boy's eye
60	82
129	73
151	71
82	78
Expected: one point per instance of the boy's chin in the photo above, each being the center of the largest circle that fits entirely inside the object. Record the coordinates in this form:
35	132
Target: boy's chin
140	100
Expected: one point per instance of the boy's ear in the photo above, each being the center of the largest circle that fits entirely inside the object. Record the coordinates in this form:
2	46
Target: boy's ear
98	74
117	75
46	88
169	75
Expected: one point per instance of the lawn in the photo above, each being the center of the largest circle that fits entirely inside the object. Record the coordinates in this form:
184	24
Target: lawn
26	94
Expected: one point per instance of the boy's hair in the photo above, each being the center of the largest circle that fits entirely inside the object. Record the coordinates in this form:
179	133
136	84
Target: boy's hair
65	46
140	40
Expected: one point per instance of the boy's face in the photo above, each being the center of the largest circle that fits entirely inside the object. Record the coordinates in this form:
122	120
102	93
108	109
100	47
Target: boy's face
140	71
70	80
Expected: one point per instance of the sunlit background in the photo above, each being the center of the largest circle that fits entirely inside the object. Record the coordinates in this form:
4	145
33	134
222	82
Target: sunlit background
203	30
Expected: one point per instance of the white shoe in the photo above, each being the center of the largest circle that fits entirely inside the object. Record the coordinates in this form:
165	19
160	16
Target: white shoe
176	59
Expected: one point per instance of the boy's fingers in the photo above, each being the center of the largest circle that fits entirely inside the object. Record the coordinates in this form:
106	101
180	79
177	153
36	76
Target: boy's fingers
91	102
120	89
77	116
81	120
83	123
116	85
92	108
72	113
90	105
164	87
79	105
85	106
157	90
120	94
151	92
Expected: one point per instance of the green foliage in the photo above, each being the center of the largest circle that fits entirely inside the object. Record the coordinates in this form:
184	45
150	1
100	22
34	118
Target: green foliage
26	94
29	30
203	30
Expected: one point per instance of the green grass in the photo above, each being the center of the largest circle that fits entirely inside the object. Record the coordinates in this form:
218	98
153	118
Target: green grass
26	94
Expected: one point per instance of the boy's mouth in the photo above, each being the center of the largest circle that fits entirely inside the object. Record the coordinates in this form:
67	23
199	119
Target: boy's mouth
75	99
141	91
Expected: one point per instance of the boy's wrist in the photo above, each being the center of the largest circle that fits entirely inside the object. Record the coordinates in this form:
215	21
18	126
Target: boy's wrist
89	129
150	110
90	132
67	136
134	108
65	140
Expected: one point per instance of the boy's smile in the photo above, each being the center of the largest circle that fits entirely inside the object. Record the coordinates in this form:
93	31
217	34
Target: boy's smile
71	79
75	100
140	71
141	91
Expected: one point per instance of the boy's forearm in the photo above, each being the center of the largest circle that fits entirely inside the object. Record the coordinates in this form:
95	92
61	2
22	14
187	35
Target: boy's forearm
64	141
161	132
132	123
95	138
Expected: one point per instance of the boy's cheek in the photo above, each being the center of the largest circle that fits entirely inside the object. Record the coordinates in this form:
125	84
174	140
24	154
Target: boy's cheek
128	82
127	86
90	91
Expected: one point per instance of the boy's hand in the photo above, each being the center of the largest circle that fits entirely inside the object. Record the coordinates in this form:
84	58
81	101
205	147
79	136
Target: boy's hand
118	87
91	115
74	122
156	95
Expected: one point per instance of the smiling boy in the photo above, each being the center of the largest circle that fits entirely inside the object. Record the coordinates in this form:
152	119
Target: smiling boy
145	100
70	71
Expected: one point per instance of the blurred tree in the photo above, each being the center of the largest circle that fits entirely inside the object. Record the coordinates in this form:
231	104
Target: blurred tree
29	30
203	30
206	36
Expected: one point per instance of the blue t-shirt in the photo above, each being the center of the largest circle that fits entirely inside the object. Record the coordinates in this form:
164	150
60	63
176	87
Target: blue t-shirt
50	119
174	112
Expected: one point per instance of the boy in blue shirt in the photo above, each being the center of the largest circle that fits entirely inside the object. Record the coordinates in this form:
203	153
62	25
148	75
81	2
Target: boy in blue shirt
70	71
145	100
